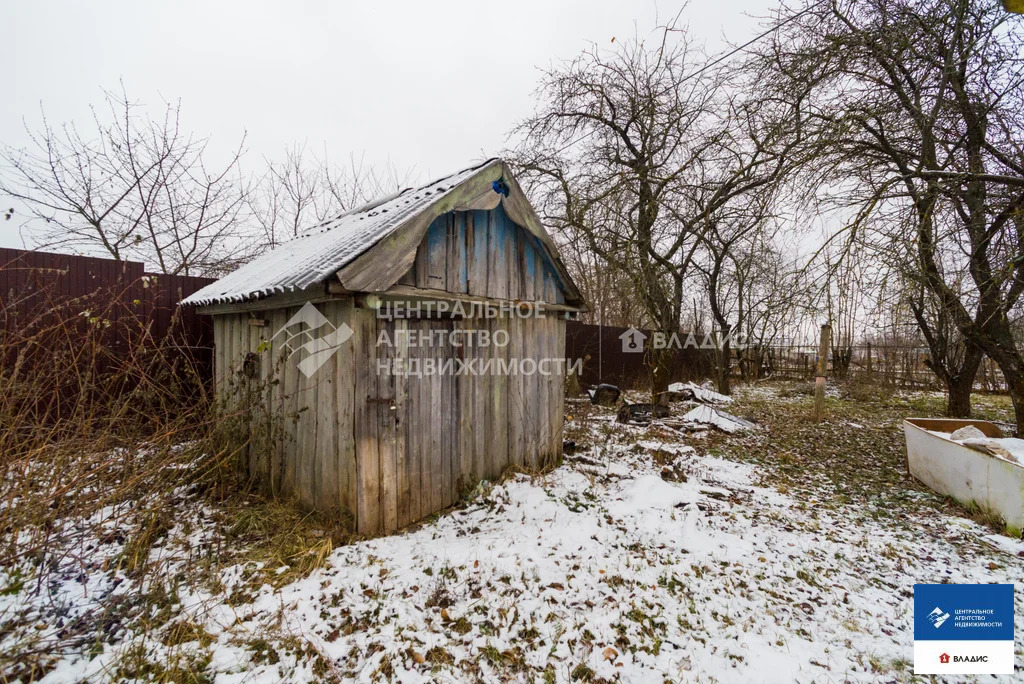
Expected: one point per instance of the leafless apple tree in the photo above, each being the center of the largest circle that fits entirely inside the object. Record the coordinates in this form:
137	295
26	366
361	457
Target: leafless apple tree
133	187
639	151
136	187
303	189
919	105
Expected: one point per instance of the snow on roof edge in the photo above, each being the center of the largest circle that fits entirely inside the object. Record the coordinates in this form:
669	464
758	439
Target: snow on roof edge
326	247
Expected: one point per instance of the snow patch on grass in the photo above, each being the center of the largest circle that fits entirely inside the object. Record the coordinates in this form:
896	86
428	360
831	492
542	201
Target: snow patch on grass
637	560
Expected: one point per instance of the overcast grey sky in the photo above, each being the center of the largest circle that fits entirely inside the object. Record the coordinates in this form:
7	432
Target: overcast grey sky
427	86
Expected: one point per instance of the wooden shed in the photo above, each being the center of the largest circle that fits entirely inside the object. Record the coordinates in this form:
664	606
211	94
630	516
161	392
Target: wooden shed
338	328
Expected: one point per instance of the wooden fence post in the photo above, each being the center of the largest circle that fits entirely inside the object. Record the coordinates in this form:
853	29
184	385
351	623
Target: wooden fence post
819	380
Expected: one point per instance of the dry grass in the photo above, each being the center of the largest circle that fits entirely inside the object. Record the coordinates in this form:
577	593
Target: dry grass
130	449
855	458
123	444
276	534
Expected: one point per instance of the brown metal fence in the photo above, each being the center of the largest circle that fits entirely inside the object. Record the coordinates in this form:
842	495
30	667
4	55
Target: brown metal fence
39	290
606	360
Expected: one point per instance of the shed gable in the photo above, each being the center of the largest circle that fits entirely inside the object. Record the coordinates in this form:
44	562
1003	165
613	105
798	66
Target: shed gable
484	253
375	249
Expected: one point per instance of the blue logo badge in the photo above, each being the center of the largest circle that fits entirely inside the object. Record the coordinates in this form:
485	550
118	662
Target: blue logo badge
963	612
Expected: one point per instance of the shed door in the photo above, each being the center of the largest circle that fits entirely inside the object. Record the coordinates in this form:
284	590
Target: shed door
415	414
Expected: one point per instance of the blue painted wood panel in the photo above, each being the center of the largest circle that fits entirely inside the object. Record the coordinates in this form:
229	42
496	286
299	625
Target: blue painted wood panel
486	254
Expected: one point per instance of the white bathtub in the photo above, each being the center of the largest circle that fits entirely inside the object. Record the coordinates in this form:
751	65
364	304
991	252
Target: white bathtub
966	475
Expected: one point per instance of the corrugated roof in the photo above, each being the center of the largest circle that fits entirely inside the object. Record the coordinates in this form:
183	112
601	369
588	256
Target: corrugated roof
321	251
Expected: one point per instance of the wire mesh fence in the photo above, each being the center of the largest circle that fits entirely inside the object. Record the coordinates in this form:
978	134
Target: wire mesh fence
896	365
900	365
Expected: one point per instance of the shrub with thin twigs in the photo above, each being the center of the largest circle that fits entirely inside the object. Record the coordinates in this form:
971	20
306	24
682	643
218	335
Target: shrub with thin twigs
103	430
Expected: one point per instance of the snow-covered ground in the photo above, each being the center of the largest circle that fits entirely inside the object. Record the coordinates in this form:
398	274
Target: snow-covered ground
637	560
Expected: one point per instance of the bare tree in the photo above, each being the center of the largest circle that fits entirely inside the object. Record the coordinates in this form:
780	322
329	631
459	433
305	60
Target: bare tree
133	187
953	359
920	105
637	151
303	190
730	245
609	293
753	293
778	296
845	291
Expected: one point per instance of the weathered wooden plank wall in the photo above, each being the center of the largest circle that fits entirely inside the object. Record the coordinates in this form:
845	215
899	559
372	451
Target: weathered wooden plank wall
313	457
485	254
389	449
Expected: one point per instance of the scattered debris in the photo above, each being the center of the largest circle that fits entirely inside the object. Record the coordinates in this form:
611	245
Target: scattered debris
1008	448
725	422
605	395
687	391
967	432
482	489
641	413
666	450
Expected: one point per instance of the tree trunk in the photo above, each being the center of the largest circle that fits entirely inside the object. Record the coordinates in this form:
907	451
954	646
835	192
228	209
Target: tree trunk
745	362
996	340
822	368
958	393
661	364
1017	396
1014	378
959	385
723	357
